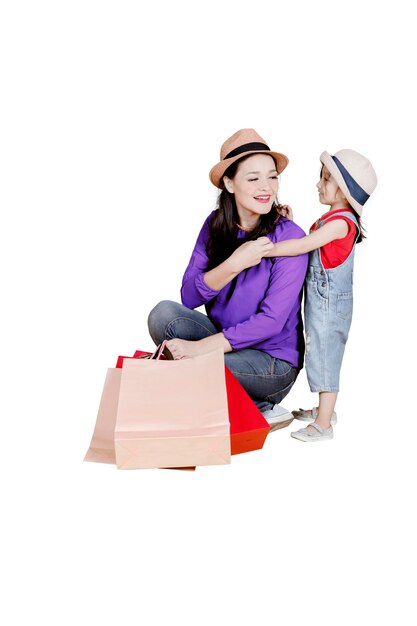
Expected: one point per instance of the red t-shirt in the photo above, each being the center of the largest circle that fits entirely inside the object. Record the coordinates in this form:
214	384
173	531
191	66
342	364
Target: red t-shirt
337	251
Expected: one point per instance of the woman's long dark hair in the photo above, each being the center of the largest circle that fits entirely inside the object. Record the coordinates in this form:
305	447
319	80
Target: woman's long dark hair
223	227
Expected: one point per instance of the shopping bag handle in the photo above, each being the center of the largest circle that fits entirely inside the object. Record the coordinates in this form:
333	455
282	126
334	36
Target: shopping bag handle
160	350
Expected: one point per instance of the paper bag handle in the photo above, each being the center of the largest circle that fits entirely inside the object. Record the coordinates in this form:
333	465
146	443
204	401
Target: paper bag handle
160	350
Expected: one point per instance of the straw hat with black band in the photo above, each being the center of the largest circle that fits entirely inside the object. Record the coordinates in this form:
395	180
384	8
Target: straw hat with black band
241	144
354	174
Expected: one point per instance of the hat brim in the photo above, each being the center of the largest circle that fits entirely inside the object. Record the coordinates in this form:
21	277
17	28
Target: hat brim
327	160
217	172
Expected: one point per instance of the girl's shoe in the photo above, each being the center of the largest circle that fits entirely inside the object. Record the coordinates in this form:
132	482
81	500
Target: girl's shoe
318	434
309	416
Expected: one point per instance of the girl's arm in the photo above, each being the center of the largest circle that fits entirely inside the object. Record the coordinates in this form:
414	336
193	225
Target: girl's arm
336	229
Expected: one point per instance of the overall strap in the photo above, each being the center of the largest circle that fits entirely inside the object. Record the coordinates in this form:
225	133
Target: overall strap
348	214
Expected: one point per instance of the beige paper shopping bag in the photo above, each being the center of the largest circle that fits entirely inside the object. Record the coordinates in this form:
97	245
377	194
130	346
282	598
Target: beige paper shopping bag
101	448
172	413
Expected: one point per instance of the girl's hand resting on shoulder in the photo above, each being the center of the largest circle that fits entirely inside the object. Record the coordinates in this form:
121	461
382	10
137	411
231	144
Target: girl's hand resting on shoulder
286	211
250	253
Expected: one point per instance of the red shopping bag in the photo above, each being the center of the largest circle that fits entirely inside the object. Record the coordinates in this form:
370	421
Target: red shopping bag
248	427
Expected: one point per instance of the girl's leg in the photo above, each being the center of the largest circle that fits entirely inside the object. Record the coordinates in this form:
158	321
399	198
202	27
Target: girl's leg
327	402
171	320
324	412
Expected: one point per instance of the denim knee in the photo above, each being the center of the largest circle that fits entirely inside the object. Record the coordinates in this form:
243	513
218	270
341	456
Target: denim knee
160	316
276	398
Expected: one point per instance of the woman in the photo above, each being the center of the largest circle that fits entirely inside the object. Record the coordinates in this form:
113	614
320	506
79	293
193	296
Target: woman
252	302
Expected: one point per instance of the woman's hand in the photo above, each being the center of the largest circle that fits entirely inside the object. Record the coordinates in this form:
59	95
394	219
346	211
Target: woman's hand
286	211
250	253
183	349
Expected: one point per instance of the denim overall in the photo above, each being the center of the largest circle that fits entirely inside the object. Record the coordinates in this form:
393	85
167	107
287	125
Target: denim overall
327	315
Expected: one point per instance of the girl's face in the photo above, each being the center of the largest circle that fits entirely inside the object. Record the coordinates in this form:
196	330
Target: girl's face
255	185
329	191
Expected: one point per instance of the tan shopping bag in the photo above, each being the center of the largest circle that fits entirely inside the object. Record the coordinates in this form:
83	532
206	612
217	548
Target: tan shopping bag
172	413
101	448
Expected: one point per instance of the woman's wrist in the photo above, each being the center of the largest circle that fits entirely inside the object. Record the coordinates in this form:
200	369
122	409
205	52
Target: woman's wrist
222	275
233	265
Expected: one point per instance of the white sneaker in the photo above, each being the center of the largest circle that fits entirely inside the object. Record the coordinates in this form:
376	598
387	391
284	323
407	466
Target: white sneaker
278	417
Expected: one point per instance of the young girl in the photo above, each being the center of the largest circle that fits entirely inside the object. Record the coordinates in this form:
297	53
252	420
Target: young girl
346	182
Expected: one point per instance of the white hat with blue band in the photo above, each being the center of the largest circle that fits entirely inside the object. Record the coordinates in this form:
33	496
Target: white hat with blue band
354	174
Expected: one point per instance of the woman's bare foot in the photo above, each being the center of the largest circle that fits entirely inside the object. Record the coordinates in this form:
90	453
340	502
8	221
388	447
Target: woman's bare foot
182	349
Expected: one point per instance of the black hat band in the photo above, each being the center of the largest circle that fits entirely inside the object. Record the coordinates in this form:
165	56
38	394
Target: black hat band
255	145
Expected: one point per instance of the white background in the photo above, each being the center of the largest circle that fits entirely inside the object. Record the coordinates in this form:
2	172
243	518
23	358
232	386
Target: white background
112	114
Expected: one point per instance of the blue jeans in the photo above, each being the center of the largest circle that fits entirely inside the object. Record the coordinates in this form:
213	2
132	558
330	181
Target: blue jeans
265	378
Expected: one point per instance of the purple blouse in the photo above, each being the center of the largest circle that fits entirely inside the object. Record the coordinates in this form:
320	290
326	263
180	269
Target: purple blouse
260	307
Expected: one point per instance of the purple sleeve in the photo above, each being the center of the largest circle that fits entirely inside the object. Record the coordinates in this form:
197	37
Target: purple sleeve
194	291
287	278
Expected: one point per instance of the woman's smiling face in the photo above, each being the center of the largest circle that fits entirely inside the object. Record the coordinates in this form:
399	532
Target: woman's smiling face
255	185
